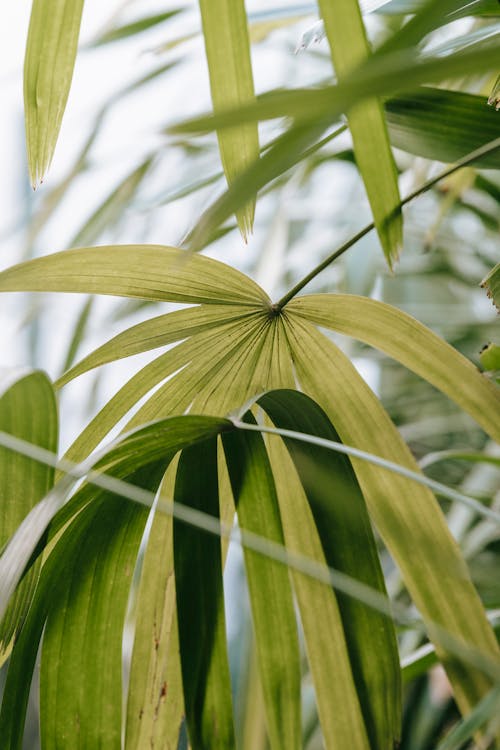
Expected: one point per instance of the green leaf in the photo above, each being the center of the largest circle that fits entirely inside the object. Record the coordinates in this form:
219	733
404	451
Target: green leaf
155	705
154	272
349	48
491	283
156	332
200	605
485	711
443	125
135	27
27	411
82	645
464	8
319	612
231	82
408	341
490	357
406	515
344	528
48	69
269	585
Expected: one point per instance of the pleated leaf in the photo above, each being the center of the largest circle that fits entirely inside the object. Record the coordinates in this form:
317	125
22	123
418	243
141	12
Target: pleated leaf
340	514
443	125
319	612
227	47
200	606
48	69
152	272
81	669
491	283
349	48
155	705
269	585
407	516
27	411
411	343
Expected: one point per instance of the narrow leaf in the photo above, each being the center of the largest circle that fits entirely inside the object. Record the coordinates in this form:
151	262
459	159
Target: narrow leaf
200	606
349	49
342	520
270	593
406	514
231	82
151	272
27	411
411	343
443	125
48	69
135	27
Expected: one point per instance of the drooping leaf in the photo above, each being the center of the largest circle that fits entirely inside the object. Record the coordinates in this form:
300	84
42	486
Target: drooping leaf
156	332
443	125
153	272
349	49
27	411
269	585
412	344
319	613
81	690
341	517
407	516
200	605
48	69
231	82
155	705
491	283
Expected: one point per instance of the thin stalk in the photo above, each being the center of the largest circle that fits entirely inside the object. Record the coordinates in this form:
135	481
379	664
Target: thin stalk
471	157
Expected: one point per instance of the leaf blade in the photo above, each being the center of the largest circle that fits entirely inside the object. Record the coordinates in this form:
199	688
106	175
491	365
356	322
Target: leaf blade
48	69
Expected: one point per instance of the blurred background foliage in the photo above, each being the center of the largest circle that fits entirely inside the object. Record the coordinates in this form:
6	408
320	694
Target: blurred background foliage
118	176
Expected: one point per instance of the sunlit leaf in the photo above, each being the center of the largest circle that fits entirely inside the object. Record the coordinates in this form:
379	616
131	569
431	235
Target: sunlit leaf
340	515
48	69
405	515
27	411
349	49
153	272
135	27
417	347
231	82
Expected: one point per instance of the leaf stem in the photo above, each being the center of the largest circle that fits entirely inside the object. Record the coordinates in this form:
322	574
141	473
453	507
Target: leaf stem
468	159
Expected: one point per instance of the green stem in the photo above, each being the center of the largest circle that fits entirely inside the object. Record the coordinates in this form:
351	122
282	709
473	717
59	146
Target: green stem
473	156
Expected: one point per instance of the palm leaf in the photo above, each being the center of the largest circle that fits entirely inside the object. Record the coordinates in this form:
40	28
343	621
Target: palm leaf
48	70
231	82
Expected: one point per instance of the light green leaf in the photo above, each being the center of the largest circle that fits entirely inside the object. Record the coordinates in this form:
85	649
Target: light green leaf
135	27
319	612
231	82
408	341
349	49
156	332
153	272
275	629
200	606
27	411
406	515
341	518
82	645
48	69
491	283
490	357
155	705
443	125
